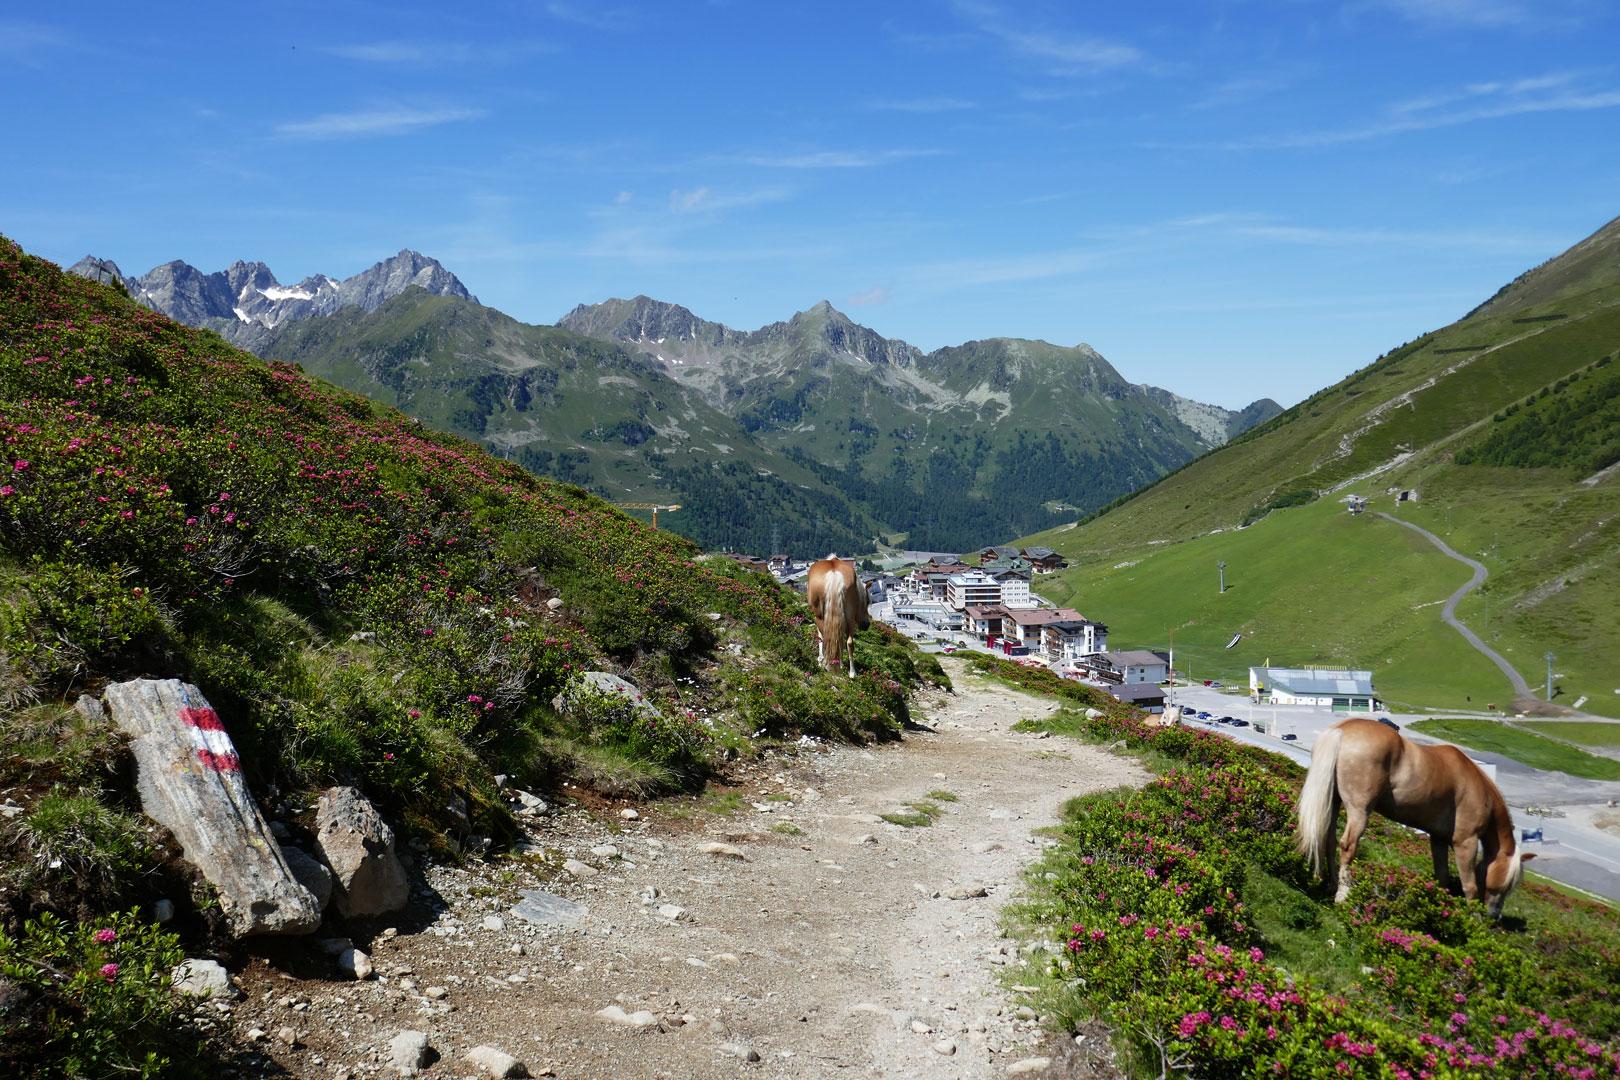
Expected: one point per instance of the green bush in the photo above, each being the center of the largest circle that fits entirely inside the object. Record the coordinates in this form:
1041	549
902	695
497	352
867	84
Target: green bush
780	700
73	834
680	745
94	1001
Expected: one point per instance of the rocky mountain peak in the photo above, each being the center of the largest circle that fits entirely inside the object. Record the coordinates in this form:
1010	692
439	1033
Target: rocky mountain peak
245	298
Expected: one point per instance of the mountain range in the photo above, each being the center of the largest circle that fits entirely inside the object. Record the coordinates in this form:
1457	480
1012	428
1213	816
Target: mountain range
807	434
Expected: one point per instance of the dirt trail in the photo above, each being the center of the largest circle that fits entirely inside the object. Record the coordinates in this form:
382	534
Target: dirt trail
822	952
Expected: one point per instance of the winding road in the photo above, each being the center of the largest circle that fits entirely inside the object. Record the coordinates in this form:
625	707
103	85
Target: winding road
1449	613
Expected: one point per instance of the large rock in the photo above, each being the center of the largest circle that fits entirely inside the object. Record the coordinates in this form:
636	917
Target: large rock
358	846
190	781
311	874
204	979
607	684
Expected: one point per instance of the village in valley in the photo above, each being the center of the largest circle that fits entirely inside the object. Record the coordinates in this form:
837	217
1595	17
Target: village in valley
985	601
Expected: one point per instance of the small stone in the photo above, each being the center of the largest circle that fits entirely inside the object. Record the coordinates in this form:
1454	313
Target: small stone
1029	1065
725	851
605	851
672	912
740	1050
497	1063
162	911
355	964
287	1036
555	603
204	979
921	1028
968	892
866	838
946	1047
334	946
517	949
495	923
613	1014
577	869
530	804
1024	1012
544	909
627	814
279	830
256	1035
408	1052
985	847
437	993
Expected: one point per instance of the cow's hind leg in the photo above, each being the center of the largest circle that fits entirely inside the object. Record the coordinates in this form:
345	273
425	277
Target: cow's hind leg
1355	823
1467	852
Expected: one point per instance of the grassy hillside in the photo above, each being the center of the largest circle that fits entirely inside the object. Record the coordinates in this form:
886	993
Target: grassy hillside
363	600
1451	415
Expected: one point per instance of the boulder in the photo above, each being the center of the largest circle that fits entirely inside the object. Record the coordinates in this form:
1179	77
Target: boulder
310	872
408	1052
190	781
544	909
605	683
490	1061
358	846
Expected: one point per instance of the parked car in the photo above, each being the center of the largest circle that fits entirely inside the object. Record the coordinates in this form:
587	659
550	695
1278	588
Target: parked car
1203	716
949	648
1290	737
1239	723
1227	719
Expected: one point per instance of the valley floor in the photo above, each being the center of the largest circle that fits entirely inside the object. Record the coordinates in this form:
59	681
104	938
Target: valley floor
822	938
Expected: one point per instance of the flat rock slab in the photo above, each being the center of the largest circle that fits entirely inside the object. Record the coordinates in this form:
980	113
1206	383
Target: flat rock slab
190	781
548	910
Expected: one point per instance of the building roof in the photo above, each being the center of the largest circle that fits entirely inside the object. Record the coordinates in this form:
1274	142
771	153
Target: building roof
1137	657
1068	626
1001	550
1137	691
971	577
1038	553
1324	682
984	611
1041	616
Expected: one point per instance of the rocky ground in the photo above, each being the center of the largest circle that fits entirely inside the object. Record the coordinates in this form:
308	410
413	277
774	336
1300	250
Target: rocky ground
799	934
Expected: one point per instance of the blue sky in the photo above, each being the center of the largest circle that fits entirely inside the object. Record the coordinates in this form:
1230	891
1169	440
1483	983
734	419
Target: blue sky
1231	199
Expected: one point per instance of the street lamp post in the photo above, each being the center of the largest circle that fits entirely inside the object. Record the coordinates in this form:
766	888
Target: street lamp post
1550	659
1221	566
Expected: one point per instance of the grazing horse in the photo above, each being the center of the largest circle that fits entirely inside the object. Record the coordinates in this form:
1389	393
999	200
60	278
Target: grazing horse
1367	766
838	601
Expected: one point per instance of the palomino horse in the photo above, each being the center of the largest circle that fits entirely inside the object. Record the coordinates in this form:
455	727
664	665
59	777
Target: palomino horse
1367	766
838	601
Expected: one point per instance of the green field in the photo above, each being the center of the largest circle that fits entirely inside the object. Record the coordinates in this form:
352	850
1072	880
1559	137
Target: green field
1588	734
1549	539
1310	585
1532	750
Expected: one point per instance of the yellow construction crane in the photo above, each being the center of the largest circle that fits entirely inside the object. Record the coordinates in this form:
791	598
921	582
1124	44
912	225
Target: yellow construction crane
654	507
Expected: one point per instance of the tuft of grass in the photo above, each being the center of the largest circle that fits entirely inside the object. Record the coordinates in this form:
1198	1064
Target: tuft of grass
918	813
73	833
943	796
777	796
787	828
1534	750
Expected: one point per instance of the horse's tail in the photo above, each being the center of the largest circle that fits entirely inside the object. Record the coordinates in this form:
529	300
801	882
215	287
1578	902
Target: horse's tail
1319	802
832	619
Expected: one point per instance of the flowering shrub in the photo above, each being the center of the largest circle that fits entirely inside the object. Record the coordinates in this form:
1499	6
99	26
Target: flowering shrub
678	744
93	1001
779	699
341	582
1148	889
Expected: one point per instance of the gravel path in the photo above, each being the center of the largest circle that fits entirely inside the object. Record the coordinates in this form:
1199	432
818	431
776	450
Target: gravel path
1448	614
803	929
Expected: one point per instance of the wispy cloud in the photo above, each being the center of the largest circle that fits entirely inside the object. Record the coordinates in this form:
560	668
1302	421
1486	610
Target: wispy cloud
612	20
1243	225
832	159
707	200
1464	105
373	122
922	105
438	52
1238	91
1009	269
877	294
1482	13
24	42
1063	53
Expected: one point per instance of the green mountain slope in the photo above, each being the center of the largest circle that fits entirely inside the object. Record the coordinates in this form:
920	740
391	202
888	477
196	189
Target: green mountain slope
982	440
573	408
1426	417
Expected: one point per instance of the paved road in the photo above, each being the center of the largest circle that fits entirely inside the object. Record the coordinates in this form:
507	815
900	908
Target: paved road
1449	612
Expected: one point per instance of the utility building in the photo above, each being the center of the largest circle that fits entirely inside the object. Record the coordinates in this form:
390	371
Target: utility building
1325	688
